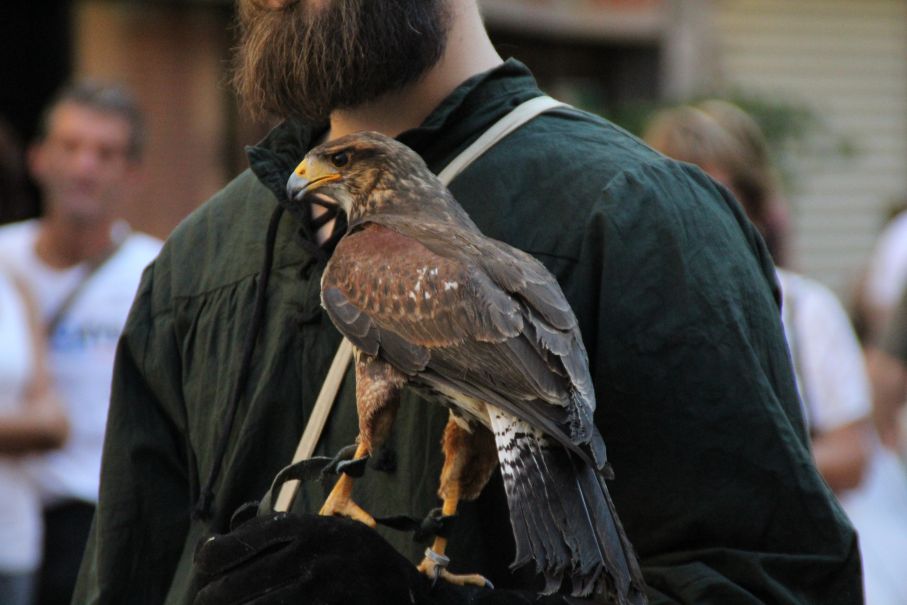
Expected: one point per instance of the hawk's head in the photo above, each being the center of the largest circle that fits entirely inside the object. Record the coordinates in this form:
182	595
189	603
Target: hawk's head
366	173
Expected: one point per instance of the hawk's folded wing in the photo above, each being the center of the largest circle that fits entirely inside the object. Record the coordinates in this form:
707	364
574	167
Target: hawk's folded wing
501	335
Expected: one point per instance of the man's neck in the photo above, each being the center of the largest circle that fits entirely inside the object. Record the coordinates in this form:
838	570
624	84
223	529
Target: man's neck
63	244
468	52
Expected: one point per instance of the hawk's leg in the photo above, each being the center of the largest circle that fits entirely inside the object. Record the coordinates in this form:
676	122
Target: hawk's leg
377	399
339	501
469	459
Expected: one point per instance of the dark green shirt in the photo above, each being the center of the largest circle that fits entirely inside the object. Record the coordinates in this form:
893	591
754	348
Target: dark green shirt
674	293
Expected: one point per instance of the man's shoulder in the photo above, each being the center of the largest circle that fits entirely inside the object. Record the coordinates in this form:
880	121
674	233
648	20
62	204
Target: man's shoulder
18	233
17	245
141	247
583	155
569	170
634	184
572	137
124	268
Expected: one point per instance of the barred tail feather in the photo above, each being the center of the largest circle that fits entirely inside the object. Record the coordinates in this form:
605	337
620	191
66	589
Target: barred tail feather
563	518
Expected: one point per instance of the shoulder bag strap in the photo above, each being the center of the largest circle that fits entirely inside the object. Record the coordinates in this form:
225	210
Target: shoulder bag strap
322	409
93	267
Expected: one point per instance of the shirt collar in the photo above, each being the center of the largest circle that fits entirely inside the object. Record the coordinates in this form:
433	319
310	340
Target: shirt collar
274	158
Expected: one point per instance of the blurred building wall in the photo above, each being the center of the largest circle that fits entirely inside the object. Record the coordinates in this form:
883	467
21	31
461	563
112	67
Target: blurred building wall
633	51
848	61
173	59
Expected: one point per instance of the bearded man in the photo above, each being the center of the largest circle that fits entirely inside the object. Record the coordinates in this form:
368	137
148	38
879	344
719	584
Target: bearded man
672	287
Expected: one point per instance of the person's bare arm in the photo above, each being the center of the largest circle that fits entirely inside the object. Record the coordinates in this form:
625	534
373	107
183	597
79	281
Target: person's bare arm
841	454
888	376
41	424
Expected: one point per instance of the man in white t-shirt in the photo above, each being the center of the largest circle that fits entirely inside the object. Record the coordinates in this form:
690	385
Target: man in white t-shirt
82	267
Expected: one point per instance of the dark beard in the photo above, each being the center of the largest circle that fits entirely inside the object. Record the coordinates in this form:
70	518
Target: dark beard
305	62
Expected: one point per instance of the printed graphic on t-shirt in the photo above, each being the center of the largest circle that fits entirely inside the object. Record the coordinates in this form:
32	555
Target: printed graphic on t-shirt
70	337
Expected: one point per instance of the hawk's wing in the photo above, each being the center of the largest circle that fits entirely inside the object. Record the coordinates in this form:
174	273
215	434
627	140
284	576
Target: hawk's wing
497	329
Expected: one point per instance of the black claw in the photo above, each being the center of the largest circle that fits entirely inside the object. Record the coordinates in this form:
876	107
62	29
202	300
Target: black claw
353	468
434	524
435	575
334	466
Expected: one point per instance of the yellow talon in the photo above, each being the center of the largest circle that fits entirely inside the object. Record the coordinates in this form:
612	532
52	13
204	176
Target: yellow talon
340	503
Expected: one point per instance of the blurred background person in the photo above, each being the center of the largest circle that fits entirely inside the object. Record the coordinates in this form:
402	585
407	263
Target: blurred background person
880	308
31	418
882	284
82	267
887	360
835	391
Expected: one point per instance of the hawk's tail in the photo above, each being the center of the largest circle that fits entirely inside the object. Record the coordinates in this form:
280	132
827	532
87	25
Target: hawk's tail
563	518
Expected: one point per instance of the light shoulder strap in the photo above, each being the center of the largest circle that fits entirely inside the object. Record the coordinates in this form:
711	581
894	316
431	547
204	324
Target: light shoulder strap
318	417
325	401
520	114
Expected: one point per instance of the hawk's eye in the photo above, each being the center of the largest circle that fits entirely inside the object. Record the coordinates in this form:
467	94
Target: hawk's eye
340	159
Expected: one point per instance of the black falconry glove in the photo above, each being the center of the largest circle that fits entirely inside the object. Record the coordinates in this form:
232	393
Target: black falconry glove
286	558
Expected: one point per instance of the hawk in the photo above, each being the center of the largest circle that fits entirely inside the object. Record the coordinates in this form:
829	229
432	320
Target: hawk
483	328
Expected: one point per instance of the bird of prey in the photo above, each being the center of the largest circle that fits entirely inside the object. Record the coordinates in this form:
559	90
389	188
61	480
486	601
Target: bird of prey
483	328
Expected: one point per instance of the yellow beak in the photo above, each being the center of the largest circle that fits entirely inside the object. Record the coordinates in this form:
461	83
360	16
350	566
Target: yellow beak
307	178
